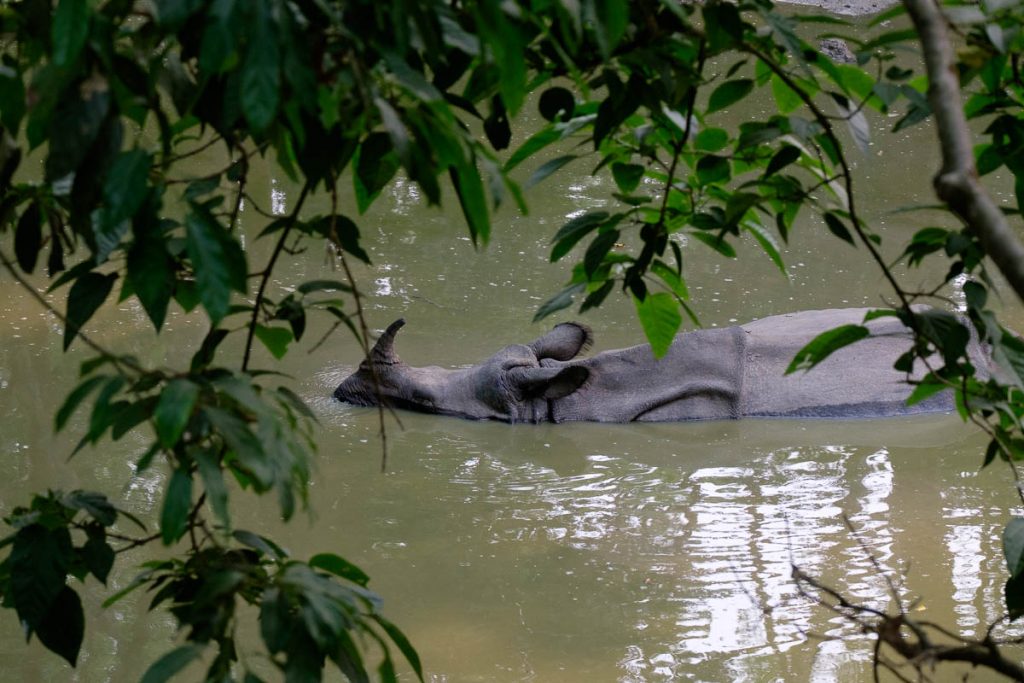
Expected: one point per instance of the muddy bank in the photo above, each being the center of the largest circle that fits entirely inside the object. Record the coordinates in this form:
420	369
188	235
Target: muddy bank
846	7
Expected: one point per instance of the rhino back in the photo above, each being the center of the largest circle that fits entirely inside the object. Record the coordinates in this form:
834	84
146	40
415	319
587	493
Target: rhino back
700	378
856	381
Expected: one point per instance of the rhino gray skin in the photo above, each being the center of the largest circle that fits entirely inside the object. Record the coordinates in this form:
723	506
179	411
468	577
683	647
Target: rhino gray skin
708	374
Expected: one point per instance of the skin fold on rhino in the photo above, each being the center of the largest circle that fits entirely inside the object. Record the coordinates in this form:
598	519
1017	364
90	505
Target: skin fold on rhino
707	374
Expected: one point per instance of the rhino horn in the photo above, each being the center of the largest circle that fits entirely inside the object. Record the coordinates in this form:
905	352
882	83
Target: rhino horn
384	350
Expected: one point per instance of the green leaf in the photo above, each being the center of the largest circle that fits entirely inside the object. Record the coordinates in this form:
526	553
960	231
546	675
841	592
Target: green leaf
213	482
173	410
659	316
171	663
403	644
276	339
768	244
729	93
575	230
63	628
547	168
28	238
674	281
86	296
836	227
559	301
535	143
711	139
924	390
786	99
826	343
177	506
716	242
627	176
244	443
69	31
1013	546
470	191
261	72
339	566
217	260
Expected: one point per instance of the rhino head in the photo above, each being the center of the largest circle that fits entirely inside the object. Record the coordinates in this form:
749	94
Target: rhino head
513	385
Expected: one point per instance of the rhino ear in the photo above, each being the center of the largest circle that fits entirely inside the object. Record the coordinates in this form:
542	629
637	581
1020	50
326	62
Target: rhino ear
564	342
548	383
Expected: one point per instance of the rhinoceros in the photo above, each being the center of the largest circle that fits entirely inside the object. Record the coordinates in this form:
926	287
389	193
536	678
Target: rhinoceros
707	374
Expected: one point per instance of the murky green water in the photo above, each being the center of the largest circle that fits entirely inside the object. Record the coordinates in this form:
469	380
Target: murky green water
579	552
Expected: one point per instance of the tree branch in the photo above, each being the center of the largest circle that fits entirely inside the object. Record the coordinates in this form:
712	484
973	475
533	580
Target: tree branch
957	182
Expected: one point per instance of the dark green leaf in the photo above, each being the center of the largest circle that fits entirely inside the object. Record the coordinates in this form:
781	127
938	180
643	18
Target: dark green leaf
575	230
375	164
171	663
403	644
924	390
94	504
39	562
173	410
245	444
151	272
713	169
1013	594
728	93
535	143
177	506
470	191
86	296
826	343
70	29
836	227
716	242
75	398
261	72
218	262
125	188
213	482
62	629
786	155
627	176
99	558
322	286
28	239
339	566
595	253
204	356
659	316
1013	546
260	543
556	101
276	621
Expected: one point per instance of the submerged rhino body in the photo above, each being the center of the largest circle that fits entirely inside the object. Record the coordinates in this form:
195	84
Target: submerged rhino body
709	374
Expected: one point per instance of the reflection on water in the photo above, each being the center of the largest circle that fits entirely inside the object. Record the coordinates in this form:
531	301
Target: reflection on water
558	553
